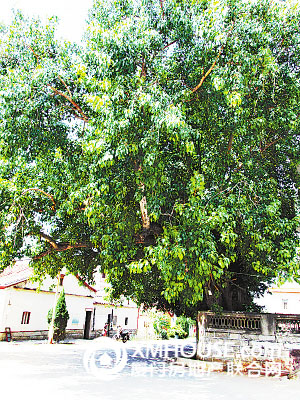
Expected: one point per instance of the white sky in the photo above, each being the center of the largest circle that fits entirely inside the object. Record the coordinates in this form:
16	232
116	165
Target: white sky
72	13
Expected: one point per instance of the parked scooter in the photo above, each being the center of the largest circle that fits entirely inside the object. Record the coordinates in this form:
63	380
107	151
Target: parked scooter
121	335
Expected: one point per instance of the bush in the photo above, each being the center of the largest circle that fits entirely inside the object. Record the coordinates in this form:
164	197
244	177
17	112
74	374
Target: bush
172	332
161	325
184	324
177	330
61	318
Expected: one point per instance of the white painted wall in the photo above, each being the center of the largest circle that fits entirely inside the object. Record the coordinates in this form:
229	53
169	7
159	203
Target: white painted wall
38	304
101	315
3	304
146	329
127	312
70	283
25	297
282	300
14	301
102	311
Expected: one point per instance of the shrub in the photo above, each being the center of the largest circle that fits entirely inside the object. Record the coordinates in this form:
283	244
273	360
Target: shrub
177	330
61	318
161	325
172	332
184	324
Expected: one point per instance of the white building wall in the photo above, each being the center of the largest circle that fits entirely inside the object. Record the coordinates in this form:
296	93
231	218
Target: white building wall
101	315
102	312
21	301
146	329
127	309
71	285
3	304
37	299
281	300
38	304
77	307
127	312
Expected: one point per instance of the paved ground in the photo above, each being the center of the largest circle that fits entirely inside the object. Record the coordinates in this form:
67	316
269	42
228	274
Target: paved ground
34	371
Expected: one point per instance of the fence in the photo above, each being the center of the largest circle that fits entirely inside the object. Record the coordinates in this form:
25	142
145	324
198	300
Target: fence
236	322
288	324
264	324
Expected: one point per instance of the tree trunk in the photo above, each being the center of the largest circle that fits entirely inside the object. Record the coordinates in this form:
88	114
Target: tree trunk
144	213
51	327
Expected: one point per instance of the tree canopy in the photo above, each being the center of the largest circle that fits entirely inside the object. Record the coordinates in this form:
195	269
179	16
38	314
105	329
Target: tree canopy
164	150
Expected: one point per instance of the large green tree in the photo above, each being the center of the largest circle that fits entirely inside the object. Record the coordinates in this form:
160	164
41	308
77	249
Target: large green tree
165	150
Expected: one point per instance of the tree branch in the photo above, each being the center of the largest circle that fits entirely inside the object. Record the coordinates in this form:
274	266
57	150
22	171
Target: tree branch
82	116
42	255
143	202
229	147
49	240
161	6
59	246
43	192
144	69
270	144
144	212
65	85
208	72
213	64
69	98
34	53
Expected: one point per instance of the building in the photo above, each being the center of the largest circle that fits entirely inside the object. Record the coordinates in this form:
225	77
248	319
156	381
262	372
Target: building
284	299
24	305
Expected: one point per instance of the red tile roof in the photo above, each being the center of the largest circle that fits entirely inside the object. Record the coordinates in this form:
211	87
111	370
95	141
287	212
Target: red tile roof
86	284
20	272
17	273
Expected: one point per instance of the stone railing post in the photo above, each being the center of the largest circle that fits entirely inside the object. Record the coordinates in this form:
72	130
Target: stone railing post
202	323
268	324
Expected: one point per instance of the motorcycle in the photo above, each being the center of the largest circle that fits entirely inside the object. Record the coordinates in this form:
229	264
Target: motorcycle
123	335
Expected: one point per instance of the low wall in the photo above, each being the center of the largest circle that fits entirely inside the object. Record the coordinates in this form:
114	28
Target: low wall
258	335
32	335
252	323
43	334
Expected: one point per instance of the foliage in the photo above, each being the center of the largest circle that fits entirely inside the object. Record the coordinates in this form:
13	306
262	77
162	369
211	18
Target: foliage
177	331
164	151
182	327
184	323
60	319
161	324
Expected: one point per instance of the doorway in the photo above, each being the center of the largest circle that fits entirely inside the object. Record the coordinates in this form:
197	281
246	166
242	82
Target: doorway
87	325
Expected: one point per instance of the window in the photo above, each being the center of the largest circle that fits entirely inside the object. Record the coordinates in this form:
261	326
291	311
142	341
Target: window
115	320
126	320
103	275
285	304
25	317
